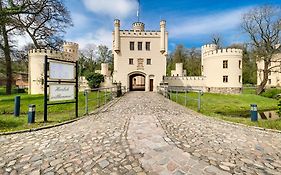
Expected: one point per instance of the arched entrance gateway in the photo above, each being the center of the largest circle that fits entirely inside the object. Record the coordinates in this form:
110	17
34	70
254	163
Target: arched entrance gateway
137	81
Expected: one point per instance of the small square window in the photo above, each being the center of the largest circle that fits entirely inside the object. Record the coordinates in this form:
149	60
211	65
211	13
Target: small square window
147	46
148	61
225	79
225	64
132	46
131	61
139	45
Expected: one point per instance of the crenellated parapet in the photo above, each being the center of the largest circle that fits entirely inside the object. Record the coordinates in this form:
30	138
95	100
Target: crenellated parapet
146	33
229	51
138	26
40	54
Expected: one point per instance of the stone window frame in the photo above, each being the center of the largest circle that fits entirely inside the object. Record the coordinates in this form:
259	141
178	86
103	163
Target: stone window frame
140	46
225	79
147	46
225	64
131	61
148	61
132	45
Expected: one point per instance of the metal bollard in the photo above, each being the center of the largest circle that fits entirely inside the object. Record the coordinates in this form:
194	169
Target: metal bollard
31	113
254	113
17	106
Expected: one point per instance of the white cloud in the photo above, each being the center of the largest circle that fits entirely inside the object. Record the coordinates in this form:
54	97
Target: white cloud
209	24
19	41
79	19
100	37
112	8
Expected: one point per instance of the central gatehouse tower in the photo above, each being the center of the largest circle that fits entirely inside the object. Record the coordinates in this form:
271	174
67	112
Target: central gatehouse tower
139	56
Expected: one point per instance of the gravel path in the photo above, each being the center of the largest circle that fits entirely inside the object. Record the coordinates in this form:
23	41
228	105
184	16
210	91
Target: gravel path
143	133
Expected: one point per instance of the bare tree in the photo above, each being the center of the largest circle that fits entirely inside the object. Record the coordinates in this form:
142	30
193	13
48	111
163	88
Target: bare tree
217	40
263	25
42	20
45	28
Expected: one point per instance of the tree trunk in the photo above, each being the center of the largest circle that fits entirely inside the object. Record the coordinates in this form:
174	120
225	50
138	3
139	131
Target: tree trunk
7	54
261	87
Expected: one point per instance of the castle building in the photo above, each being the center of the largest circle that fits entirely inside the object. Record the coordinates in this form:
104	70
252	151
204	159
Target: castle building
274	76
139	56
36	64
221	71
179	72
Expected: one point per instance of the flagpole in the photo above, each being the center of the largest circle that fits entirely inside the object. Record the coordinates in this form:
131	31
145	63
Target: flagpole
138	12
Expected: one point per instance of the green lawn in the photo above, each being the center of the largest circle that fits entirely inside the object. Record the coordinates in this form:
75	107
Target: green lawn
57	113
228	107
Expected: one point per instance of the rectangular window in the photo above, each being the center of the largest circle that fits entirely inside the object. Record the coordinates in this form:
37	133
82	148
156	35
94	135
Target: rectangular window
225	64
132	45
269	73
148	61
225	79
147	46
131	61
240	64
269	81
139	45
240	79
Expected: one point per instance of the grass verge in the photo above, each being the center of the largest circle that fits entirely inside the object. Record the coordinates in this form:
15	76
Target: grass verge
56	113
228	107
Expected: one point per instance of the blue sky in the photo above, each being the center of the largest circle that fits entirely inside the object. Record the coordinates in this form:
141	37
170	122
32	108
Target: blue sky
189	22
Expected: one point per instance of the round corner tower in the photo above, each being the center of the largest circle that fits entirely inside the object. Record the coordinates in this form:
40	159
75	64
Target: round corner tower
71	51
223	69
205	49
138	26
36	59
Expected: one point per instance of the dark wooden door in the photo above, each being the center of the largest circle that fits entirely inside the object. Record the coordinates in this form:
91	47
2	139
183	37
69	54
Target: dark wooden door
151	85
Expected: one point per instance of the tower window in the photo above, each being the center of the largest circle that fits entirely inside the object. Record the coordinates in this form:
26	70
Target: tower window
240	63
225	79
139	45
269	81
147	46
225	64
240	79
131	61
148	61
132	45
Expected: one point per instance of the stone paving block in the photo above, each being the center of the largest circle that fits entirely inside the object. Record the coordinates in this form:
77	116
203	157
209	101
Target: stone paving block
142	134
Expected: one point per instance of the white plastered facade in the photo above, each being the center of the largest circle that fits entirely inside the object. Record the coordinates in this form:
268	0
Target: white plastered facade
221	71
154	71
274	77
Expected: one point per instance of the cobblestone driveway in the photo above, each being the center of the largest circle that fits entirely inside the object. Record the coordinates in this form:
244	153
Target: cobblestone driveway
143	134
